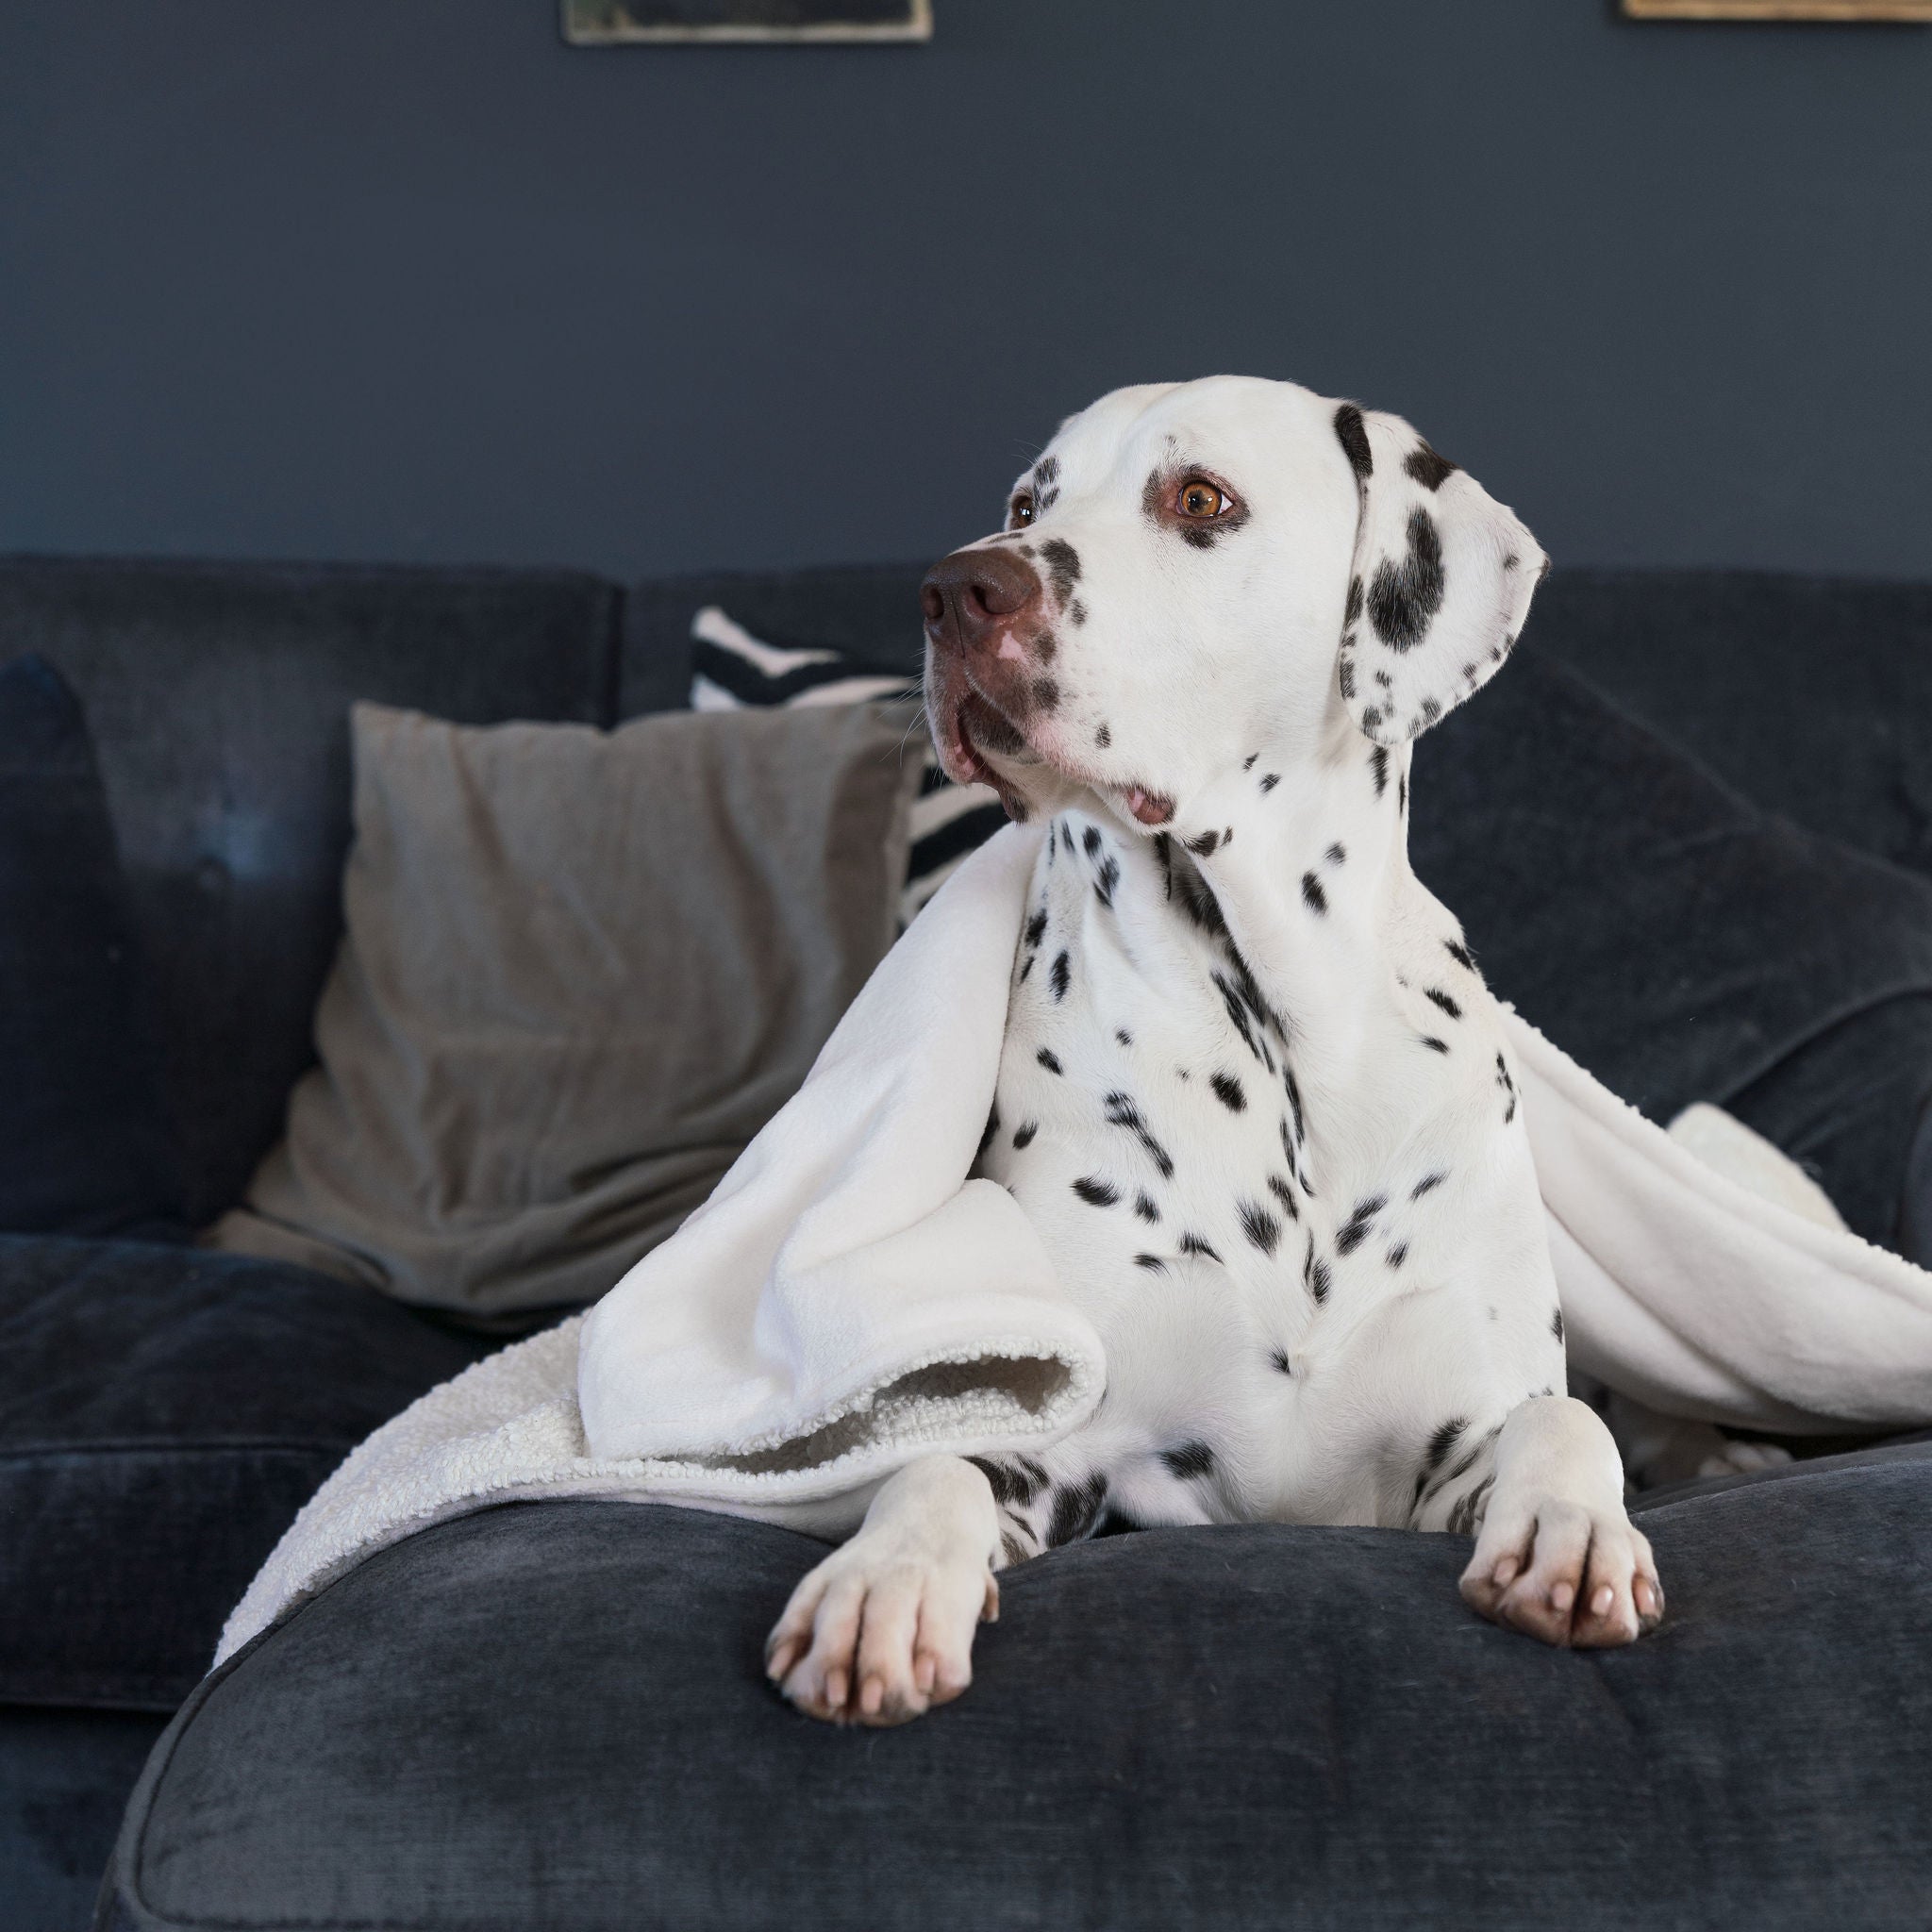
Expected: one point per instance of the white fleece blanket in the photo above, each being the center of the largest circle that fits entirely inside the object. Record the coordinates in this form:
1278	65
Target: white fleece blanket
847	1299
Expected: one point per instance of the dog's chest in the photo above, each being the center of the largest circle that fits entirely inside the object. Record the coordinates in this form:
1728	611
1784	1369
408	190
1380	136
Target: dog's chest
1149	1119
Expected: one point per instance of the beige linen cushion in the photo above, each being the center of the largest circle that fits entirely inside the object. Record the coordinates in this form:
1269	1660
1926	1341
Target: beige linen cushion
580	970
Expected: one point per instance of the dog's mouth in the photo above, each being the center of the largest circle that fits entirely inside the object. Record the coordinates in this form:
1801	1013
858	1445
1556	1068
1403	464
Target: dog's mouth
974	736
977	727
976	739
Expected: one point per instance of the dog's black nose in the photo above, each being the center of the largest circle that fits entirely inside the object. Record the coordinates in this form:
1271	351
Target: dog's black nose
972	595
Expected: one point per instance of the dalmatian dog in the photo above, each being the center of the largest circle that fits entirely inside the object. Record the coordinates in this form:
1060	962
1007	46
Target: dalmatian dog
1253	1094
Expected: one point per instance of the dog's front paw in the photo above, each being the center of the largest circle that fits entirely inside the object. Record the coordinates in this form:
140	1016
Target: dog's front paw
1565	1572
882	1630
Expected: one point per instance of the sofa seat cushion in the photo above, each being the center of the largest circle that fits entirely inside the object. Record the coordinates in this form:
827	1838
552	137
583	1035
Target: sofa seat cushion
163	1414
552	1714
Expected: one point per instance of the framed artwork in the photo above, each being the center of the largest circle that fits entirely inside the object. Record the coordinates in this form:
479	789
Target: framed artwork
1779	9
618	23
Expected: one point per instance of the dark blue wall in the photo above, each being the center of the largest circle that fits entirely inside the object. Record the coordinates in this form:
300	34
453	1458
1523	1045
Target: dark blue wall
411	280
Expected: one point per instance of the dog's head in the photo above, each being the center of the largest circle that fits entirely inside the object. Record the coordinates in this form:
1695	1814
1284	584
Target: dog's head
1196	570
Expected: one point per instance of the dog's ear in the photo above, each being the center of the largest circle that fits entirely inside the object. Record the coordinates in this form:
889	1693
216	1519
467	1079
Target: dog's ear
1440	585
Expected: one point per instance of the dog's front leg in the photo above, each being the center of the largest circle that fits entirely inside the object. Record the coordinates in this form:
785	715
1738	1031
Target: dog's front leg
1555	1555
882	1629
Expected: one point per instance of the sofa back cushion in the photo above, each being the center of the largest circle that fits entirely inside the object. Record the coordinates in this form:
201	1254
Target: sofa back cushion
218	695
1812	695
84	1147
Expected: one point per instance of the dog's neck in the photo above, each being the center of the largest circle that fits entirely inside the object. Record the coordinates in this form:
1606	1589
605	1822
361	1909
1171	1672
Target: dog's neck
1316	889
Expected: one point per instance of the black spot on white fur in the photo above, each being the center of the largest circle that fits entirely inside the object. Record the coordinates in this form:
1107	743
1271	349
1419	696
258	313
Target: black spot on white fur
1063	565
1076	1510
1314	1273
1355	1230
1197	1244
1049	1060
1429	469
1354	438
1442	1442
1556	1325
1230	1092
1122	1112
1405	597
1063	974
1015	1479
1285	1194
1095	1192
1189	1461
1023	1137
1261	1228
1316	899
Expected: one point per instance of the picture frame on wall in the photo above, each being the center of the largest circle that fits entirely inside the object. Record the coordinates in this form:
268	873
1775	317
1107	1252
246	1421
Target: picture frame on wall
620	22
1893	10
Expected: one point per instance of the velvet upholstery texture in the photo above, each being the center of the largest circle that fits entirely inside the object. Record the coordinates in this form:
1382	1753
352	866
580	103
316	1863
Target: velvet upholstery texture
163	1414
84	1147
1675	939
64	1780
218	698
553	1714
1812	695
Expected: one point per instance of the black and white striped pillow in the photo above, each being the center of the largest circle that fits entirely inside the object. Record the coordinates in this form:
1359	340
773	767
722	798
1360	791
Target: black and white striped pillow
730	668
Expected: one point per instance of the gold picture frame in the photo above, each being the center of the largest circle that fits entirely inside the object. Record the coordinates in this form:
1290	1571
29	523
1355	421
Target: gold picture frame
635	23
1894	11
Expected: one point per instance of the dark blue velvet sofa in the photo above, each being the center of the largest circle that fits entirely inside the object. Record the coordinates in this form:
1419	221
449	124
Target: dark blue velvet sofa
552	1715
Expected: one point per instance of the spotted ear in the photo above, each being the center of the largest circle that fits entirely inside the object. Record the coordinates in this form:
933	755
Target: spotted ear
1440	586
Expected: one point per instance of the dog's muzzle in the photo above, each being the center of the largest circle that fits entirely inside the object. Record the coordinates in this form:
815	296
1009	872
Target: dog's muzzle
986	633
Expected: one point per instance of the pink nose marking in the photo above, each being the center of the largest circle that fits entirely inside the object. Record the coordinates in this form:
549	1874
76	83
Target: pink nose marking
1009	647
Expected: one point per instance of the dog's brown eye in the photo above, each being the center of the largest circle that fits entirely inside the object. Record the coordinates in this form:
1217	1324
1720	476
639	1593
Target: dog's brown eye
1200	498
1021	510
